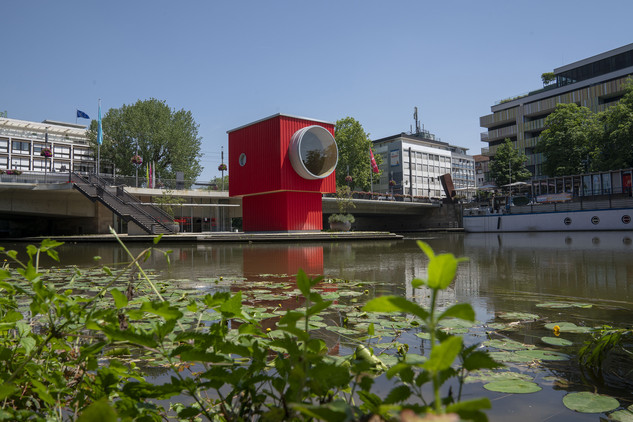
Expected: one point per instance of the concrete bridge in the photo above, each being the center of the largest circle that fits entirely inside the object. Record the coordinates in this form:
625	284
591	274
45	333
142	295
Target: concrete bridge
58	209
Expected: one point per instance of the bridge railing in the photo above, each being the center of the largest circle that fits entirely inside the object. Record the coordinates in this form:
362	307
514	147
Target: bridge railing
132	181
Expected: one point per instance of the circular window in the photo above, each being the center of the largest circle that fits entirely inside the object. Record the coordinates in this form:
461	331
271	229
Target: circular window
242	160
595	219
626	219
567	221
313	152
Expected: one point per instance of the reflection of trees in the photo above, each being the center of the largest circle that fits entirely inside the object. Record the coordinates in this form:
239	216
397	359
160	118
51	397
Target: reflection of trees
314	161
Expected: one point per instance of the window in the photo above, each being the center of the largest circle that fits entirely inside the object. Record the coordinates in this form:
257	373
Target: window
61	151
38	164
4	162
4	145
21	147
21	163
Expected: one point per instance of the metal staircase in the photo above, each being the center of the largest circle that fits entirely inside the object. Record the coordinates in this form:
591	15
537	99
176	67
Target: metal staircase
148	217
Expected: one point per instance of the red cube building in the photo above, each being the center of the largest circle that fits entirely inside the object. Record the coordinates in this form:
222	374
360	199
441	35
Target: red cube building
281	166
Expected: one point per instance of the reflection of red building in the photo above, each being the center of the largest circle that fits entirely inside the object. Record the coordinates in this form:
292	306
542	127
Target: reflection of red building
283	260
280	166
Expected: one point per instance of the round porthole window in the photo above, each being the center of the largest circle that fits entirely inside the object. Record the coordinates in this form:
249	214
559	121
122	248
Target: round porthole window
242	160
567	221
313	152
626	219
595	219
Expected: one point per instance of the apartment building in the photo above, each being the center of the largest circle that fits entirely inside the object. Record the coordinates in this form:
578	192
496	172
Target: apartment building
412	164
596	82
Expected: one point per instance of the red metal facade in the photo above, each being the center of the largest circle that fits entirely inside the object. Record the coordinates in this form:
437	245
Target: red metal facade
282	211
274	196
268	167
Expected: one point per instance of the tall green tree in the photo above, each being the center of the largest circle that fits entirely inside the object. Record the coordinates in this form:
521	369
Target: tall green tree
508	165
569	140
162	135
353	155
614	148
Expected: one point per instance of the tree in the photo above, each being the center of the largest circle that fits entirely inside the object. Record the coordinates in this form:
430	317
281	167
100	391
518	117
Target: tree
508	165
615	150
161	135
353	155
568	141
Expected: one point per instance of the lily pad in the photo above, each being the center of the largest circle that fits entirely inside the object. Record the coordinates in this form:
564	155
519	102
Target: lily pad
542	354
455	323
514	386
568	327
505	356
586	402
519	316
489	376
507	344
563	305
556	341
621	416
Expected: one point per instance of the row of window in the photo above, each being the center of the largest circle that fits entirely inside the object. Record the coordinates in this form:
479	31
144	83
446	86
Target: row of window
59	151
24	164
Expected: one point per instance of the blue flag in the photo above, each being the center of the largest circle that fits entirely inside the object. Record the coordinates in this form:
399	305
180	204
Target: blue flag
82	115
99	129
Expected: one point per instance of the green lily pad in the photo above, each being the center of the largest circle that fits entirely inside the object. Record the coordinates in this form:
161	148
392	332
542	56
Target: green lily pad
507	344
542	354
568	327
513	386
586	402
488	376
556	341
563	305
519	316
425	336
500	326
505	356
455	323
622	415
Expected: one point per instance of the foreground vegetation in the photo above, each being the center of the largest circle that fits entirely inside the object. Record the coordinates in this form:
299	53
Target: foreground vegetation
116	344
70	355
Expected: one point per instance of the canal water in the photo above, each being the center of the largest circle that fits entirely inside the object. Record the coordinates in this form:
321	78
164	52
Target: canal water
505	273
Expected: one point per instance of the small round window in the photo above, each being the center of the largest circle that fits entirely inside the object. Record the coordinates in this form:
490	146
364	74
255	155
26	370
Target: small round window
242	159
313	152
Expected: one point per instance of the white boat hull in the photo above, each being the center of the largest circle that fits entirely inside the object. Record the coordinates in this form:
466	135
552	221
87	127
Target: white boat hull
578	220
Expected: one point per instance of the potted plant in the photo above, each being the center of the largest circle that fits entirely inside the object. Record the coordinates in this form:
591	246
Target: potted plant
222	167
137	160
14	172
46	152
343	220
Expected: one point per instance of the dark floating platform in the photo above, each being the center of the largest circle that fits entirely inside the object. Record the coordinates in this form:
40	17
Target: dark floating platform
224	237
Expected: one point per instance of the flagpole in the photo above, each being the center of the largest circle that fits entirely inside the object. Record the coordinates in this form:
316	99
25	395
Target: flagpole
99	139
371	172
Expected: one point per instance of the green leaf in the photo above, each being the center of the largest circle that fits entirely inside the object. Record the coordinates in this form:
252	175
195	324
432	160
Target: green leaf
398	395
370	329
461	310
6	390
315	309
303	283
99	411
480	360
426	249
157	239
443	355
417	283
586	402
395	304
441	271
161	309
233	306
120	300
469	405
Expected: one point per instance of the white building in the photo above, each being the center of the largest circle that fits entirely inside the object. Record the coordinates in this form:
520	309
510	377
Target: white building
21	143
414	162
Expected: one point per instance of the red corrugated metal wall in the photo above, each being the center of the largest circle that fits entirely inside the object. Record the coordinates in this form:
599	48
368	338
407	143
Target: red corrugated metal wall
266	147
282	211
275	197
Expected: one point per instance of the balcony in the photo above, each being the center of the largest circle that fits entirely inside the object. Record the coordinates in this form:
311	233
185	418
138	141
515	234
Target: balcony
498	118
493	135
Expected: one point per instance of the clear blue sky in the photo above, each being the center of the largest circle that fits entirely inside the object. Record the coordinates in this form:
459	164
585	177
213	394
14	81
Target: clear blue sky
233	62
